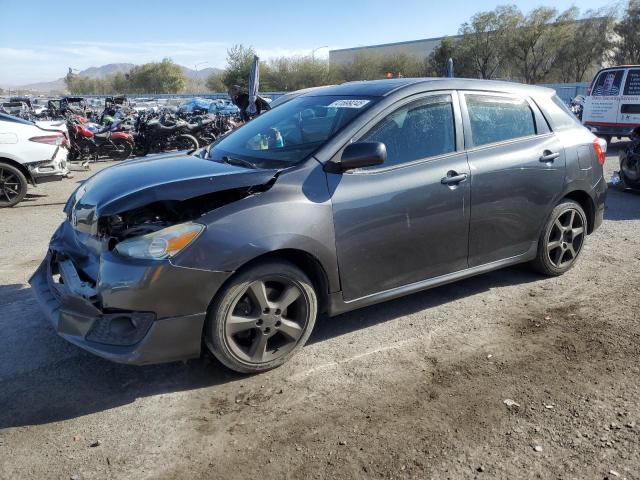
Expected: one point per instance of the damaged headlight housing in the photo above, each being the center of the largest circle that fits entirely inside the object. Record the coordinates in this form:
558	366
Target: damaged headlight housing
164	243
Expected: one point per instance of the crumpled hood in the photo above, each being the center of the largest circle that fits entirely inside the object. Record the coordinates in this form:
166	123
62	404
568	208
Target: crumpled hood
135	183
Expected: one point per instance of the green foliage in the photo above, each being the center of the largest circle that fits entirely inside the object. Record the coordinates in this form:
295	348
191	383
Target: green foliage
627	41
239	59
157	77
215	82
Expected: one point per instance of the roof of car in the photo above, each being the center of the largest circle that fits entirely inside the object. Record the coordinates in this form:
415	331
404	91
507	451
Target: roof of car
381	88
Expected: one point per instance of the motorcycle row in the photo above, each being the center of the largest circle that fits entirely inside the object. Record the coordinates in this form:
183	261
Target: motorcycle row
119	131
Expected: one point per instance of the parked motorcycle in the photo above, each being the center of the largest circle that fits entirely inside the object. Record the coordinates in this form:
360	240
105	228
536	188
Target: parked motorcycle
88	145
577	106
630	162
154	136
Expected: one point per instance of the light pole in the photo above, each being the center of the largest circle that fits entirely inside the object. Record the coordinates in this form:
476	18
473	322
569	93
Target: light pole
313	58
197	76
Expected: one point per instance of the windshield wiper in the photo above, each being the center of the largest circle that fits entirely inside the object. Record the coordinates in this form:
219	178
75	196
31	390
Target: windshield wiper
237	161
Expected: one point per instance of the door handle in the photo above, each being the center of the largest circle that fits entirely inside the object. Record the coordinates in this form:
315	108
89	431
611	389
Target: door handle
548	156
453	178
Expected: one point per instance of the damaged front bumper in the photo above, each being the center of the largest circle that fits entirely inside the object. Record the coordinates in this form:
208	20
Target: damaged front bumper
133	312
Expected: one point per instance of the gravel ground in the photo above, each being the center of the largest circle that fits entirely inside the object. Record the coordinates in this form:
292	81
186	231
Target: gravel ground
413	388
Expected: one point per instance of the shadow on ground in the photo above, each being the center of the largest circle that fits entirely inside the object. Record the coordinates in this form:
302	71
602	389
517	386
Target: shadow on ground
48	380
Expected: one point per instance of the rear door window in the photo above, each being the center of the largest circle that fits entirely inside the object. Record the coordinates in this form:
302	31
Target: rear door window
497	119
608	83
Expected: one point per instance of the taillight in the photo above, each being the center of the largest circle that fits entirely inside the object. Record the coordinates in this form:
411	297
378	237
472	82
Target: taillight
600	146
49	139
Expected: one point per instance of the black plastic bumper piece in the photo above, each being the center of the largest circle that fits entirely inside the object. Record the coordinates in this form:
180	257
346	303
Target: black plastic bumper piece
125	336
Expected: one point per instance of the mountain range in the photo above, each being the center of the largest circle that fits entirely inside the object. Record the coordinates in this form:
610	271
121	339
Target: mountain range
104	71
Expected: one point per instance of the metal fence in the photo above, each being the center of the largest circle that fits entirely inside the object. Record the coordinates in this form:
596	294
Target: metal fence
567	91
209	95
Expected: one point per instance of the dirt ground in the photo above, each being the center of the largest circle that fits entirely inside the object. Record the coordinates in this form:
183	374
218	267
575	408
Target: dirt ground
413	388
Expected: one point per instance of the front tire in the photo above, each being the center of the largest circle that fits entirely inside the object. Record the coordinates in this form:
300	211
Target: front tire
562	239
13	185
261	317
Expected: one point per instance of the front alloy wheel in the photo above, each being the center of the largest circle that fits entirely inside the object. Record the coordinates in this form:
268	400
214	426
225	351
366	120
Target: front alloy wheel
13	185
262	317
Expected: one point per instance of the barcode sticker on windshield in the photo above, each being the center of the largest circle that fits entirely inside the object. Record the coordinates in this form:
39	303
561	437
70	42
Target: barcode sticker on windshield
348	104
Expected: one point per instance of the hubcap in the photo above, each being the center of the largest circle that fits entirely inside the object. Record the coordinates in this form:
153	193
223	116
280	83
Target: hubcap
565	238
9	186
267	320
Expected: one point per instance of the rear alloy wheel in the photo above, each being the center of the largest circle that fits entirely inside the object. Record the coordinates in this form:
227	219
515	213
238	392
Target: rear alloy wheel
562	239
13	185
262	317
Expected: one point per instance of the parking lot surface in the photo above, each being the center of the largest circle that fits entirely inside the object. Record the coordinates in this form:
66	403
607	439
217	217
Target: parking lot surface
412	388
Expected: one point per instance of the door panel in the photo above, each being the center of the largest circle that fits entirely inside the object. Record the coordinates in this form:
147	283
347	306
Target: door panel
512	192
400	226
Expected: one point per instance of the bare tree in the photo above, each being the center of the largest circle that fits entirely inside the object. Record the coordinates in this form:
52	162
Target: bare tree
535	43
628	38
484	39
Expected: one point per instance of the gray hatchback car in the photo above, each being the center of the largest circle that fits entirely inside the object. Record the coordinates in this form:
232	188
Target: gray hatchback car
340	198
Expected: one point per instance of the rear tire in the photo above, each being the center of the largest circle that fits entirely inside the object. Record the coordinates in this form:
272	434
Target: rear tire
261	317
186	142
13	185
629	171
562	239
123	149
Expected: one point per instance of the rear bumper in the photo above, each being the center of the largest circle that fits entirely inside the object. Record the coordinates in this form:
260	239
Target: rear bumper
615	130
135	314
50	170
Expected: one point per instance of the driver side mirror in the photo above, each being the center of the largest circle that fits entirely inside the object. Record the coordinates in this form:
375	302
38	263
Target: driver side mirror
361	154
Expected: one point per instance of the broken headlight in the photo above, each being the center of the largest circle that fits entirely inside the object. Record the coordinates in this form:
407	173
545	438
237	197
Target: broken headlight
164	243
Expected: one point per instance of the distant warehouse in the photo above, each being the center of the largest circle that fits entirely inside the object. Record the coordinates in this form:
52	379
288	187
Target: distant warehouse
417	48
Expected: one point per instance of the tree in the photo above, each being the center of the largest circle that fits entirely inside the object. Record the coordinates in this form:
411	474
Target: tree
484	40
627	43
157	77
536	40
215	82
239	59
293	73
586	47
449	48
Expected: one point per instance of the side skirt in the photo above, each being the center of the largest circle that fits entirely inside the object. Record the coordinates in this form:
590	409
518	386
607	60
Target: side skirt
337	305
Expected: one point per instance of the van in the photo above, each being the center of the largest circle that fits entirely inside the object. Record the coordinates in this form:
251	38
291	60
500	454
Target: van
612	105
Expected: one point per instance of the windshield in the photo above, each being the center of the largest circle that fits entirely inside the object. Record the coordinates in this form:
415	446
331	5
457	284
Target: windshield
290	133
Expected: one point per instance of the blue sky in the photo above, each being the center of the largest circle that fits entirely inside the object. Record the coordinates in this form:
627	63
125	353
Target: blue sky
40	39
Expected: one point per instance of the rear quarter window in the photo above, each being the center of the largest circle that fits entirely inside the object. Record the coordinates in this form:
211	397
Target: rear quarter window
556	112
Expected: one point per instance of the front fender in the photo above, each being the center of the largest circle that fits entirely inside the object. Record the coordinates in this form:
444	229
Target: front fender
295	213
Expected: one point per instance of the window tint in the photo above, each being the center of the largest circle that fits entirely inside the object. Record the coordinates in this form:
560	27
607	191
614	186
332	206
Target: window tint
608	83
496	119
420	129
632	85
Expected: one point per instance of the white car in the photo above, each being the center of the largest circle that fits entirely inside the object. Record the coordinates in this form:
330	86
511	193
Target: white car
28	154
